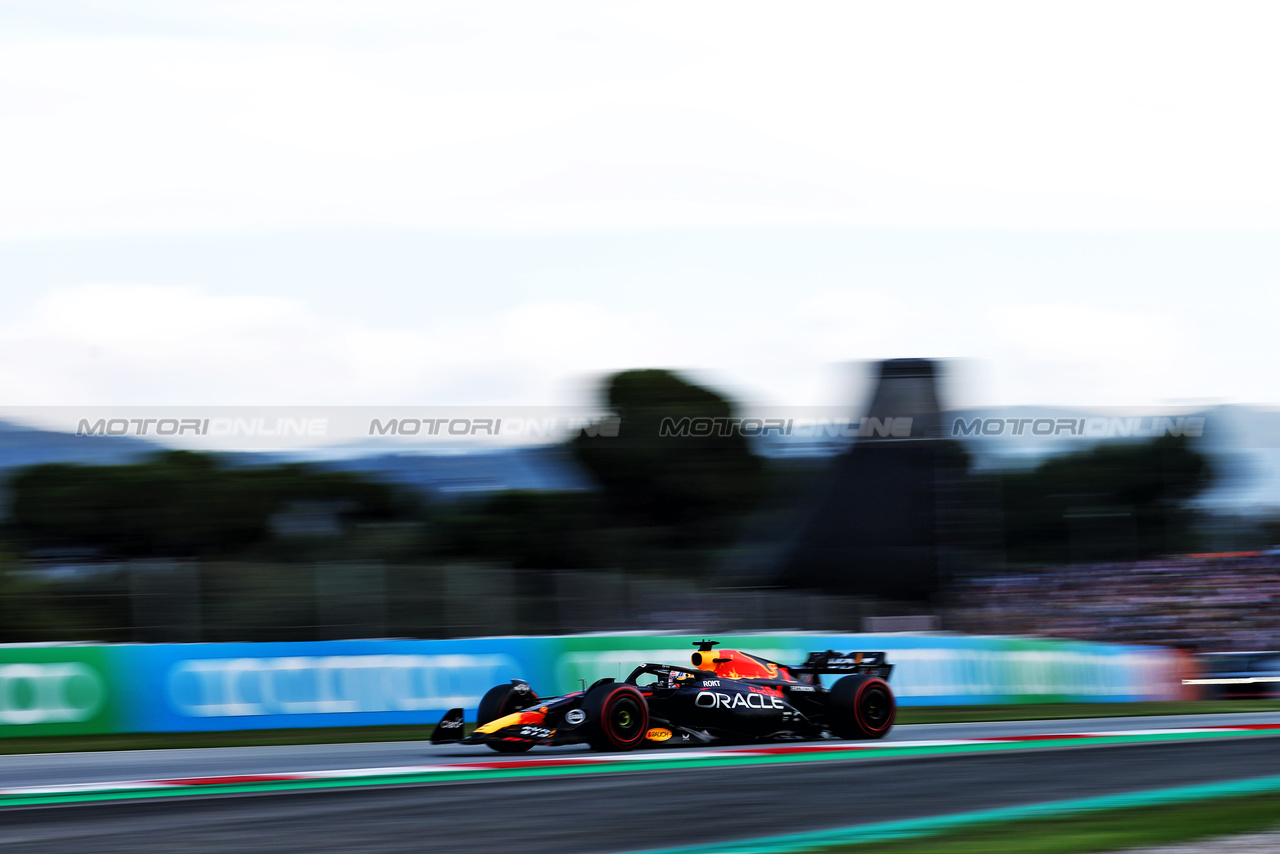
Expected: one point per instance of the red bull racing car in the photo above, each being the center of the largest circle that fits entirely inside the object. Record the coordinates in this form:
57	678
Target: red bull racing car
726	697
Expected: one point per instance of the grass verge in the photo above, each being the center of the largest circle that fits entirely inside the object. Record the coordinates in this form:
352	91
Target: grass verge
1093	832
335	735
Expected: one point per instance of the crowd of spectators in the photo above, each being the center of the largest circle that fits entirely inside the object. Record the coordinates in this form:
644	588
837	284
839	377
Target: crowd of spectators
1204	603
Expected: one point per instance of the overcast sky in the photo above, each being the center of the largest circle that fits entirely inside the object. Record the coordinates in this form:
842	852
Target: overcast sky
283	203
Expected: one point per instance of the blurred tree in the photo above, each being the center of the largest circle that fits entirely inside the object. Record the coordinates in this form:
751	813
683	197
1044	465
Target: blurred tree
180	504
1113	502
534	530
691	485
1271	532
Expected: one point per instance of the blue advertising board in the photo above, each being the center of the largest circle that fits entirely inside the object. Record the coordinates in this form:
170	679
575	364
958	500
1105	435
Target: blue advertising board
189	687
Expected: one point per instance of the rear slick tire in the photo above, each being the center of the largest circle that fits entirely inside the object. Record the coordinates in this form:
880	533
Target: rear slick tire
861	707
618	717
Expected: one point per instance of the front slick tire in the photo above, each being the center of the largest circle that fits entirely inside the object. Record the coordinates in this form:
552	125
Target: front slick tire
619	717
861	707
500	701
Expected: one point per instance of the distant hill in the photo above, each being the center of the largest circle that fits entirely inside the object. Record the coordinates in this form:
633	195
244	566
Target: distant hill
439	473
548	467
28	446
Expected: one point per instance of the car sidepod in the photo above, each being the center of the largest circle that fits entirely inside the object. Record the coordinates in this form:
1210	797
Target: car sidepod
728	709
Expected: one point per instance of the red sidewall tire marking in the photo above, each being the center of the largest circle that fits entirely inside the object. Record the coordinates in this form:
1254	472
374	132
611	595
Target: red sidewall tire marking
607	720
857	706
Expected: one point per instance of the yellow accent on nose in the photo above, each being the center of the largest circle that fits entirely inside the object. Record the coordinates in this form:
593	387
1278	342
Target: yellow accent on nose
502	722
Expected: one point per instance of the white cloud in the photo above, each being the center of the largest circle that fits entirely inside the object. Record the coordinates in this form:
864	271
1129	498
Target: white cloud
1085	355
259	116
144	344
152	345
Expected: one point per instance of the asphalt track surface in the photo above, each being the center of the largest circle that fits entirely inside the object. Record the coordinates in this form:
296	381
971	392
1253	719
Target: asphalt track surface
605	812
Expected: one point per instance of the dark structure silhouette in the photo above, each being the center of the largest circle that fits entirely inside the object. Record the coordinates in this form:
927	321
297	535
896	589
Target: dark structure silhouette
881	522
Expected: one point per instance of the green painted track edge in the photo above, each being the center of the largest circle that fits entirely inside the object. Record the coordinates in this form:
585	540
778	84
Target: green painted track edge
657	763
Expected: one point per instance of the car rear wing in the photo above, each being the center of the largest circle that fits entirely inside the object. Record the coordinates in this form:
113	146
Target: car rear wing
869	663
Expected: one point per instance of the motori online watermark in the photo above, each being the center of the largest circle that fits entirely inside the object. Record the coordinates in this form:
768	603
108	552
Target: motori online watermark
300	427
836	428
269	427
282	428
607	427
1089	427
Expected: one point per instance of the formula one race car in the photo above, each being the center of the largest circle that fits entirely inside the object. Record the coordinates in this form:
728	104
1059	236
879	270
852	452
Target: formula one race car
727	697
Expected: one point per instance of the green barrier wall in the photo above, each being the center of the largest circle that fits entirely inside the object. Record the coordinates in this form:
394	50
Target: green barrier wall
72	690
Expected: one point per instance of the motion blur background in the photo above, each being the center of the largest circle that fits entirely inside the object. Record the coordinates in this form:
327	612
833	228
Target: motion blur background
987	214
